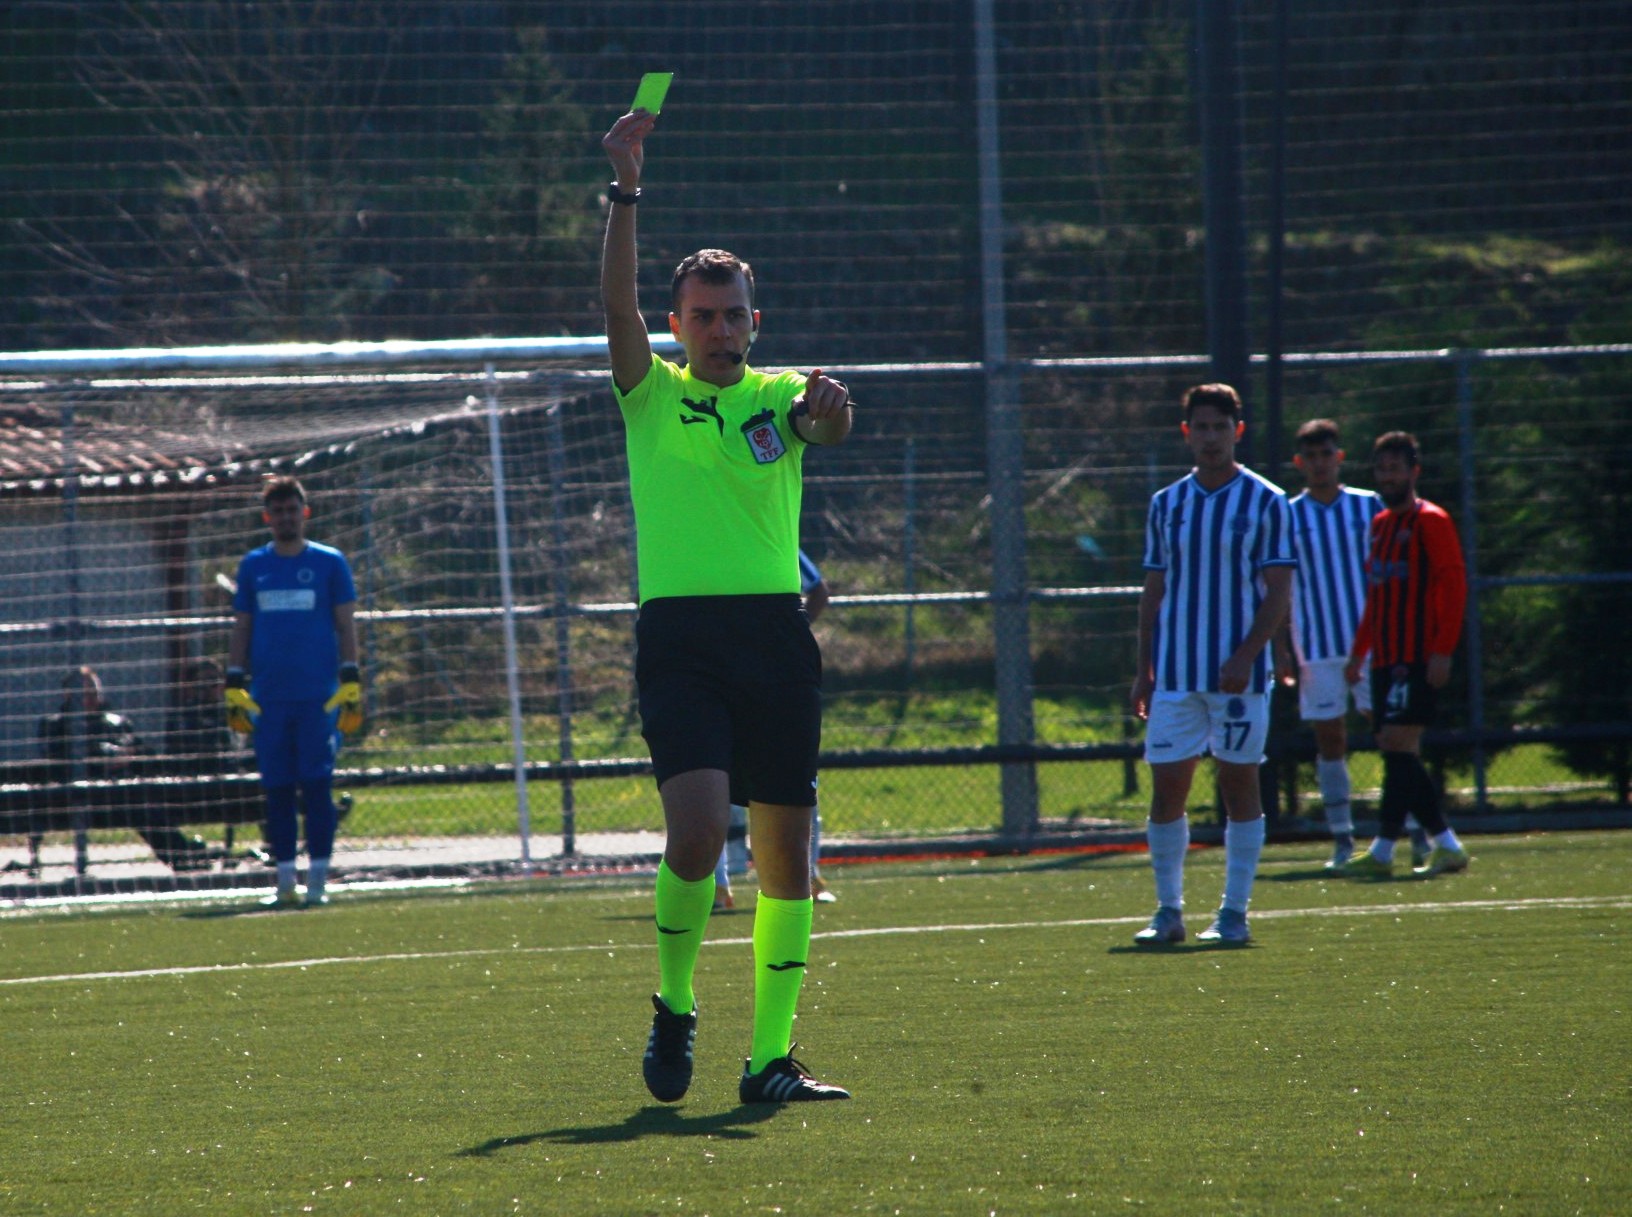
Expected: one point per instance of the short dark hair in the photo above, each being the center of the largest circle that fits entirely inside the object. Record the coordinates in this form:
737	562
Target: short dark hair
282	487
1220	397
1319	431
716	266
1400	443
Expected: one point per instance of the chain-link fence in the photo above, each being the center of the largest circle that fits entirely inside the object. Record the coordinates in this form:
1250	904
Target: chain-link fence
925	183
499	678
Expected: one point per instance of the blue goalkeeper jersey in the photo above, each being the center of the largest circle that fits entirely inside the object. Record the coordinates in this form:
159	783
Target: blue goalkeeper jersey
294	651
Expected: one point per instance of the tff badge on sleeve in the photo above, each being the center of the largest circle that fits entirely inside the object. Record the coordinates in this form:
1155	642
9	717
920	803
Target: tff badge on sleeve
764	440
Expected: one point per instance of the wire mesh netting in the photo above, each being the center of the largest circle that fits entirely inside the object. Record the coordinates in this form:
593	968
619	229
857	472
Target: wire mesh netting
927	185
197	171
127	568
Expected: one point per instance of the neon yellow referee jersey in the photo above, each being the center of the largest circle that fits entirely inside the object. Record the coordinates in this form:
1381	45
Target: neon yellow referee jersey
717	477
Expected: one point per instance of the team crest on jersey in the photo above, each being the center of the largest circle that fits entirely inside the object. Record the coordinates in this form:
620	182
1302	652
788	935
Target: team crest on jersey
305	575
764	440
1241	525
1235	708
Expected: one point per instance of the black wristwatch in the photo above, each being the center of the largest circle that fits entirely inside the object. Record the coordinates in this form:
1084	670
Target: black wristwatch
619	197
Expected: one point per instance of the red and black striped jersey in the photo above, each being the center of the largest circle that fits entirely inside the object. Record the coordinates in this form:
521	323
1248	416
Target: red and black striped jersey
1416	587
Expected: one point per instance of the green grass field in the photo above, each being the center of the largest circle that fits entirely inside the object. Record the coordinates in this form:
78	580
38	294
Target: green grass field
912	799
1448	1046
906	800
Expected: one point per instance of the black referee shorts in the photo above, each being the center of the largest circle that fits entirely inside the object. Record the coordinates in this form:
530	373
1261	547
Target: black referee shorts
1401	696
732	683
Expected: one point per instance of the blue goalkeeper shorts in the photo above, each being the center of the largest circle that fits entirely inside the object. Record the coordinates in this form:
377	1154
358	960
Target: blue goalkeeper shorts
295	742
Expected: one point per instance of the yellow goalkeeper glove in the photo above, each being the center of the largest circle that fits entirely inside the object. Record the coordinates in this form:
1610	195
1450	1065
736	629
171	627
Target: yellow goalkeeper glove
241	707
348	699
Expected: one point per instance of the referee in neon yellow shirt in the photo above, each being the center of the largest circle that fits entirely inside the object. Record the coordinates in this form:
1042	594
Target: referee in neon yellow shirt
727	669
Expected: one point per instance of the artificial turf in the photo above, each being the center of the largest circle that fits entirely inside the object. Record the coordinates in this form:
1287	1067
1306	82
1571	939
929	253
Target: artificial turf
1450	1046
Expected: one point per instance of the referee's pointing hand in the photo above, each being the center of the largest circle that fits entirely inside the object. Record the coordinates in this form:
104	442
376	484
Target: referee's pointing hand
824	397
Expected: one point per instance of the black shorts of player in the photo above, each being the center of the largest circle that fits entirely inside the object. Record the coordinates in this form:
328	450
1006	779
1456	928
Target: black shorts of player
1401	695
732	683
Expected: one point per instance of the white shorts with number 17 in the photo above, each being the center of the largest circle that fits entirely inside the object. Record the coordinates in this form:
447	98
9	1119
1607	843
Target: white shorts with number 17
1232	726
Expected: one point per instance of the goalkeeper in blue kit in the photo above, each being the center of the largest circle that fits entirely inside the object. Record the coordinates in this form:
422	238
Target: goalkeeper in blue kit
293	683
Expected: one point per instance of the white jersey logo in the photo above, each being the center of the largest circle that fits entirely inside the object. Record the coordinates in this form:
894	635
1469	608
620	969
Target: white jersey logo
286	600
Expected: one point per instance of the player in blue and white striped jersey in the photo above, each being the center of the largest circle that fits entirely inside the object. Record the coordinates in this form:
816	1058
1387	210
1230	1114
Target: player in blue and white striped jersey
1218	576
1331	525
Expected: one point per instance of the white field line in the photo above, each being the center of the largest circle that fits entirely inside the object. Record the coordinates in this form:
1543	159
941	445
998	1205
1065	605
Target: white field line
205	895
1358	910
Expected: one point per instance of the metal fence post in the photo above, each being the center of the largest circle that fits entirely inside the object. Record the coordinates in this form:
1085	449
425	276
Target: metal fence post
561	597
512	670
75	736
1274	288
909	581
1219	73
1005	459
370	564
1470	555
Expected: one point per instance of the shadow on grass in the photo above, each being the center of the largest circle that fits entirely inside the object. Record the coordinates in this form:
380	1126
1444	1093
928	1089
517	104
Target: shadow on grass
256	909
1077	859
1181	948
1299	876
1304	874
649	1121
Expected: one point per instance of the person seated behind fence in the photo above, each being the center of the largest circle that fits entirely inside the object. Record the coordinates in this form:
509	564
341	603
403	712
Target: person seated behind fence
199	743
85	729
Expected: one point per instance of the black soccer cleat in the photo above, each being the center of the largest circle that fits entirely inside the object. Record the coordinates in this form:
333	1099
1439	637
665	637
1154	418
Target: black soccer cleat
785	1080
667	1065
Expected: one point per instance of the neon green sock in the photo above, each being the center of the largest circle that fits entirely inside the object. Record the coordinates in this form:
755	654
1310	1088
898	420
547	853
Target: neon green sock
781	943
682	916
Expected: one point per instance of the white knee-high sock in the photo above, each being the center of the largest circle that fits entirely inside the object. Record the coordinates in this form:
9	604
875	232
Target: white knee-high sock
1334	795
1168	843
1243	843
722	876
